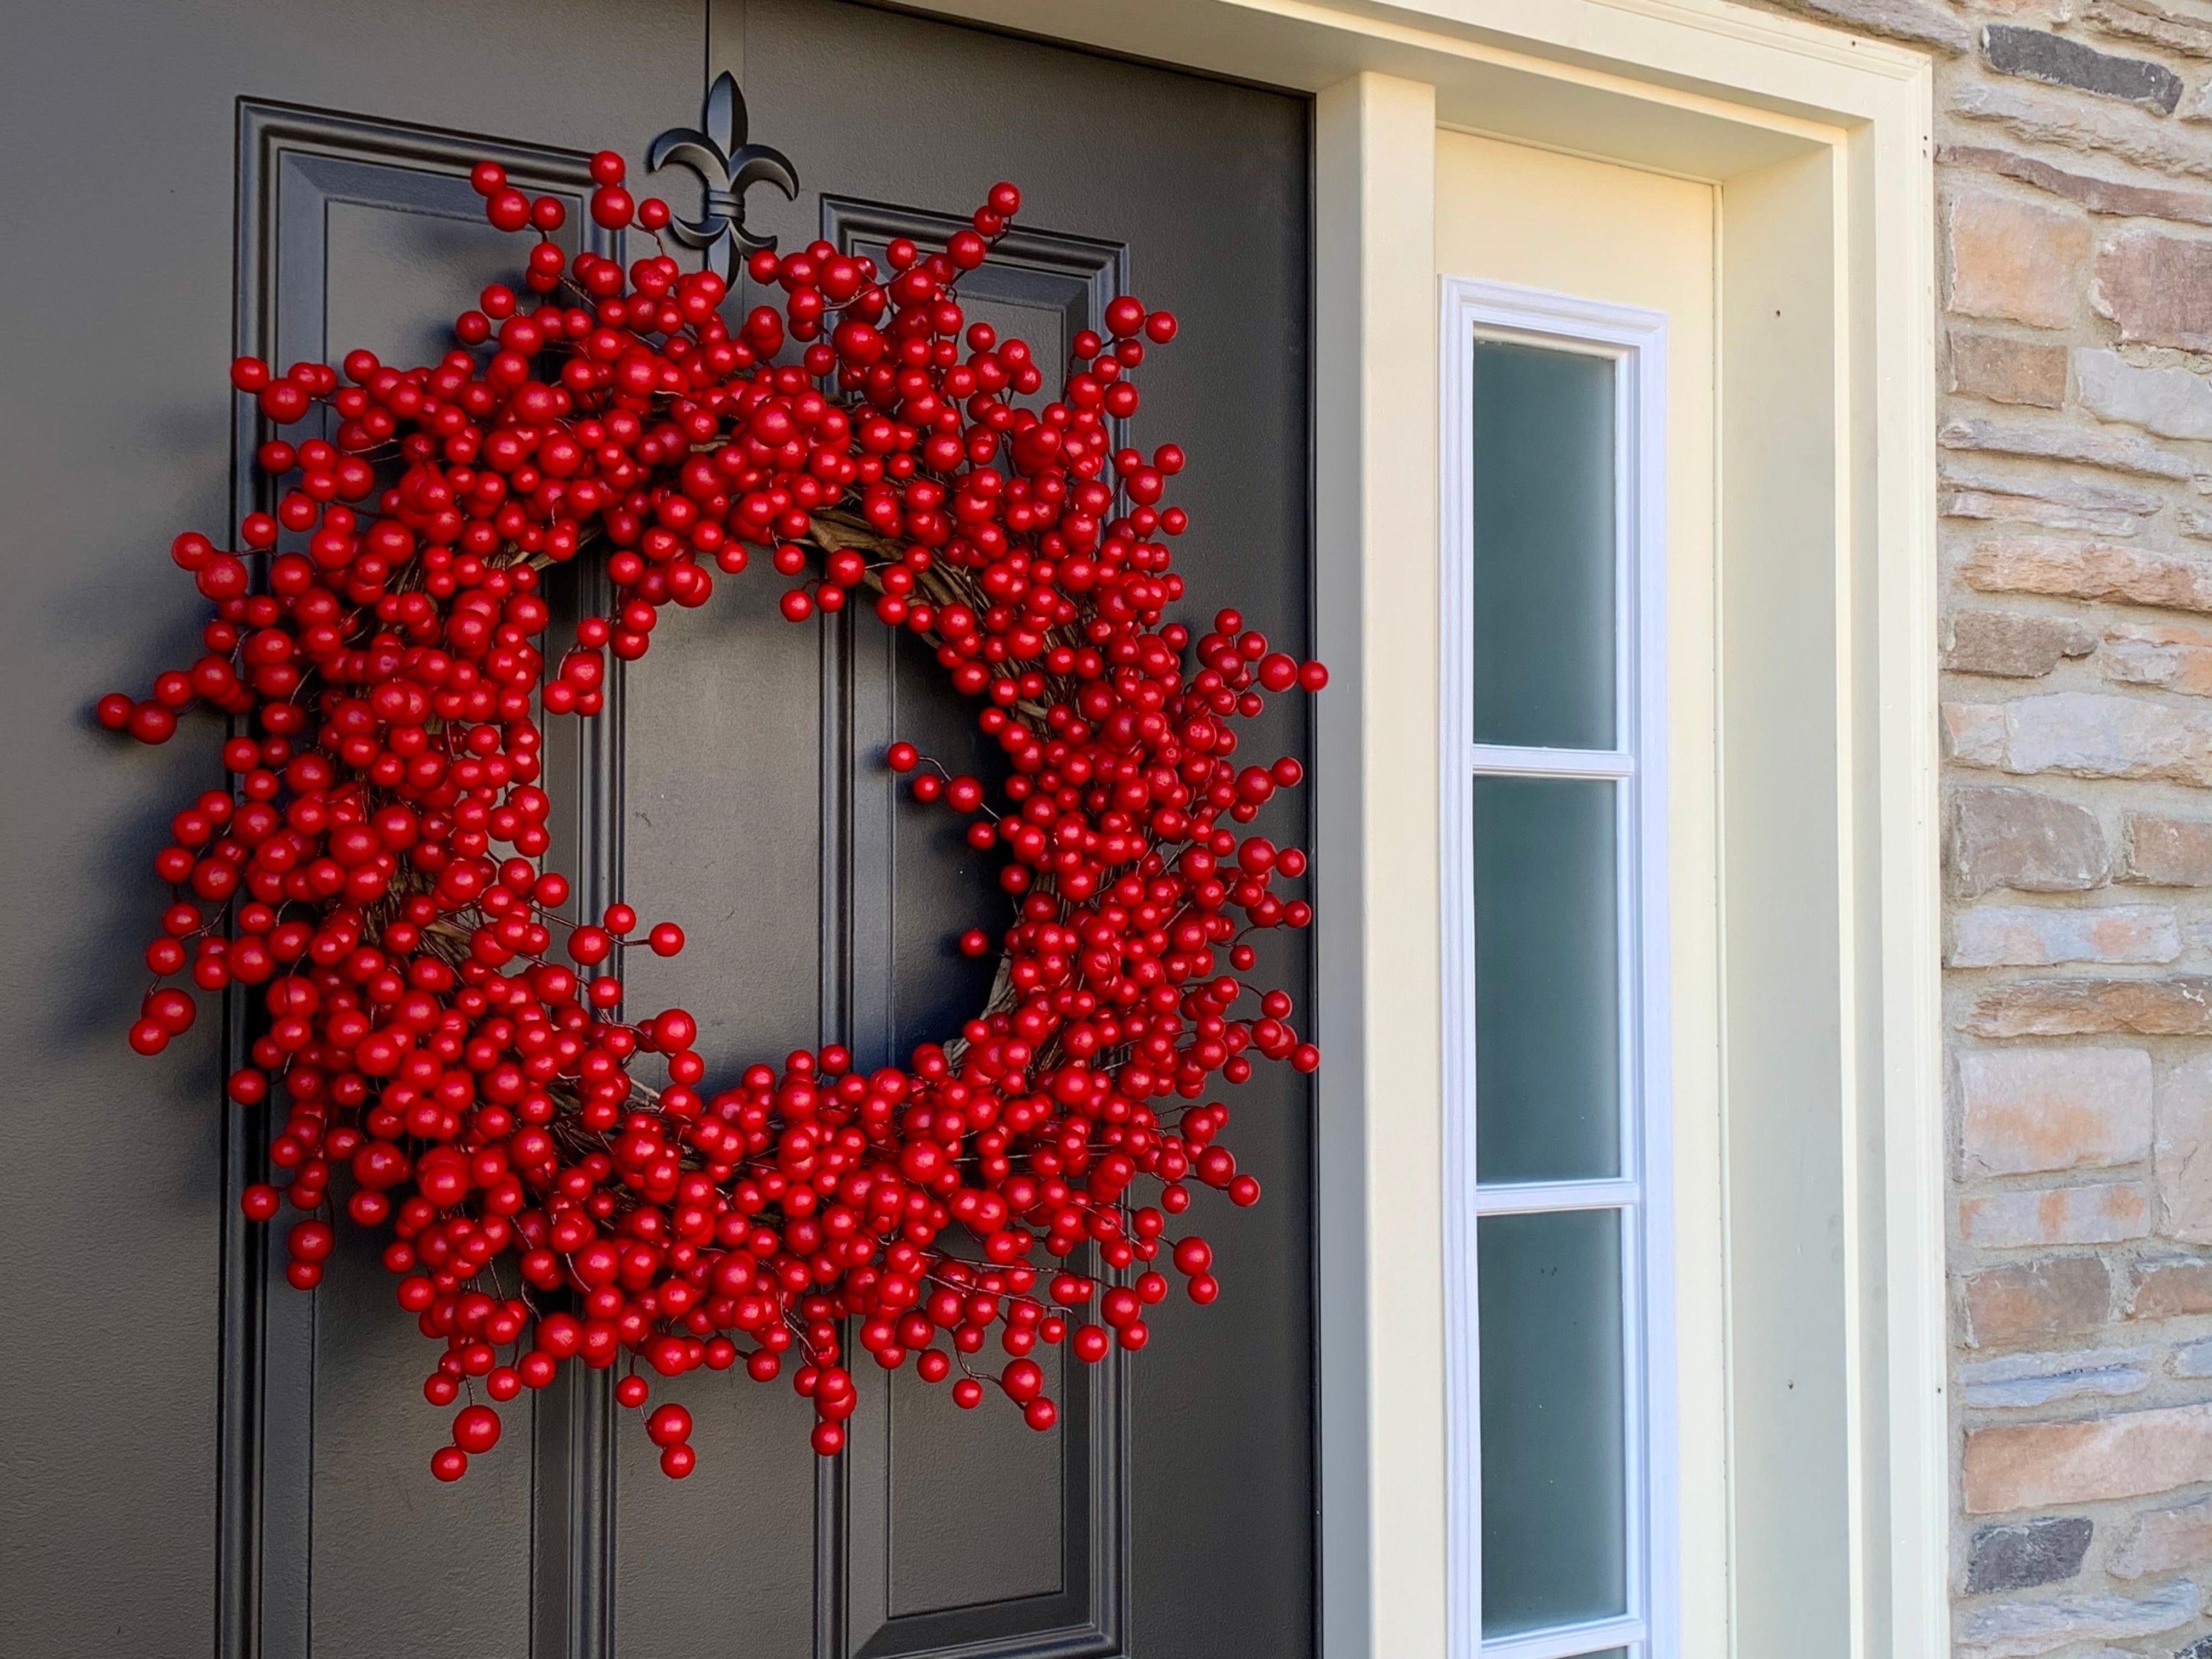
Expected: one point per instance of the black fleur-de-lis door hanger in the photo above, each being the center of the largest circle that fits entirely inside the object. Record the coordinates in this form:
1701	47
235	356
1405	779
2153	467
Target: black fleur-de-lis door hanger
717	151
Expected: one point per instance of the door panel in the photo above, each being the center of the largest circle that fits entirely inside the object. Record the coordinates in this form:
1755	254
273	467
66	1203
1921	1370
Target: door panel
342	217
131	1447
962	1532
734	784
1198	1535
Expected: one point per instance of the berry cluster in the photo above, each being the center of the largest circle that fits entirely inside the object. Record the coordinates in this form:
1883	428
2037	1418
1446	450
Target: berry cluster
425	1045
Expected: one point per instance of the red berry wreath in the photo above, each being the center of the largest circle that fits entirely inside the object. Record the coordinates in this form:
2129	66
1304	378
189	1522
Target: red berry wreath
420	1033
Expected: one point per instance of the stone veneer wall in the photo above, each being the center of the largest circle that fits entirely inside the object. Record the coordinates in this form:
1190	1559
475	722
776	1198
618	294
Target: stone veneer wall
2074	168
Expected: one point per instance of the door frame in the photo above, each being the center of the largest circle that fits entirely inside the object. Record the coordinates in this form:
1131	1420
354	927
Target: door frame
1827	1518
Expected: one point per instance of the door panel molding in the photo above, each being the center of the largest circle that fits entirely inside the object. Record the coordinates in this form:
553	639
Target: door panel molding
870	832
294	165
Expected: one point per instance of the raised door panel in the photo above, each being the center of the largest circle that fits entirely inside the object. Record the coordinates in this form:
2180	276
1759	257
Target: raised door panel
963	1531
1175	1513
357	231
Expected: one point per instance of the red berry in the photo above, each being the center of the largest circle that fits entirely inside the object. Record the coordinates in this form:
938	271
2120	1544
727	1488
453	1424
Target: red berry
475	1429
151	721
612	207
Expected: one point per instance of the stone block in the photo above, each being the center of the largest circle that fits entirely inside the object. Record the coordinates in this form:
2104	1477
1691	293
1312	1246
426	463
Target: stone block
2167	852
1975	733
2026	1380
2008	371
2182	1153
2094	735
2011	492
2016	262
2075	571
2063	63
2193	1359
2174	658
1898	19
2006	837
2012	477
2148	22
2181	1006
2160	1541
2105	1213
2036	1301
2038	936
2040	510
2045	1551
2045	117
2116	452
2170	402
2110	196
2020	1630
2170	1287
2037	1465
2157	288
2027	1111
2007	645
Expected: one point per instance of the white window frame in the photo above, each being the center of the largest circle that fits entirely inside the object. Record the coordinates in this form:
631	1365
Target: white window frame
1635	340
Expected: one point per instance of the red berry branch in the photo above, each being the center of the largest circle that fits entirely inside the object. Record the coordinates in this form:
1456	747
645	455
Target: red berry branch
373	642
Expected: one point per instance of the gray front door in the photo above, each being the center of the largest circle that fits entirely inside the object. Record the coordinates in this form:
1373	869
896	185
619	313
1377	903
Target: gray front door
197	1455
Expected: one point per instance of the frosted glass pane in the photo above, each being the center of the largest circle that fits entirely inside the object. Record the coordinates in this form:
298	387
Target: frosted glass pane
1547	986
1554	1450
1544	555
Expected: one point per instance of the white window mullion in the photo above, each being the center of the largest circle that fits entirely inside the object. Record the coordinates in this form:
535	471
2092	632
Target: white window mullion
1507	760
1546	1197
1570	1642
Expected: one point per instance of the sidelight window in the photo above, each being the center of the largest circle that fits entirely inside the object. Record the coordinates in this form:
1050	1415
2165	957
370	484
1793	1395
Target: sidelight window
1559	1368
